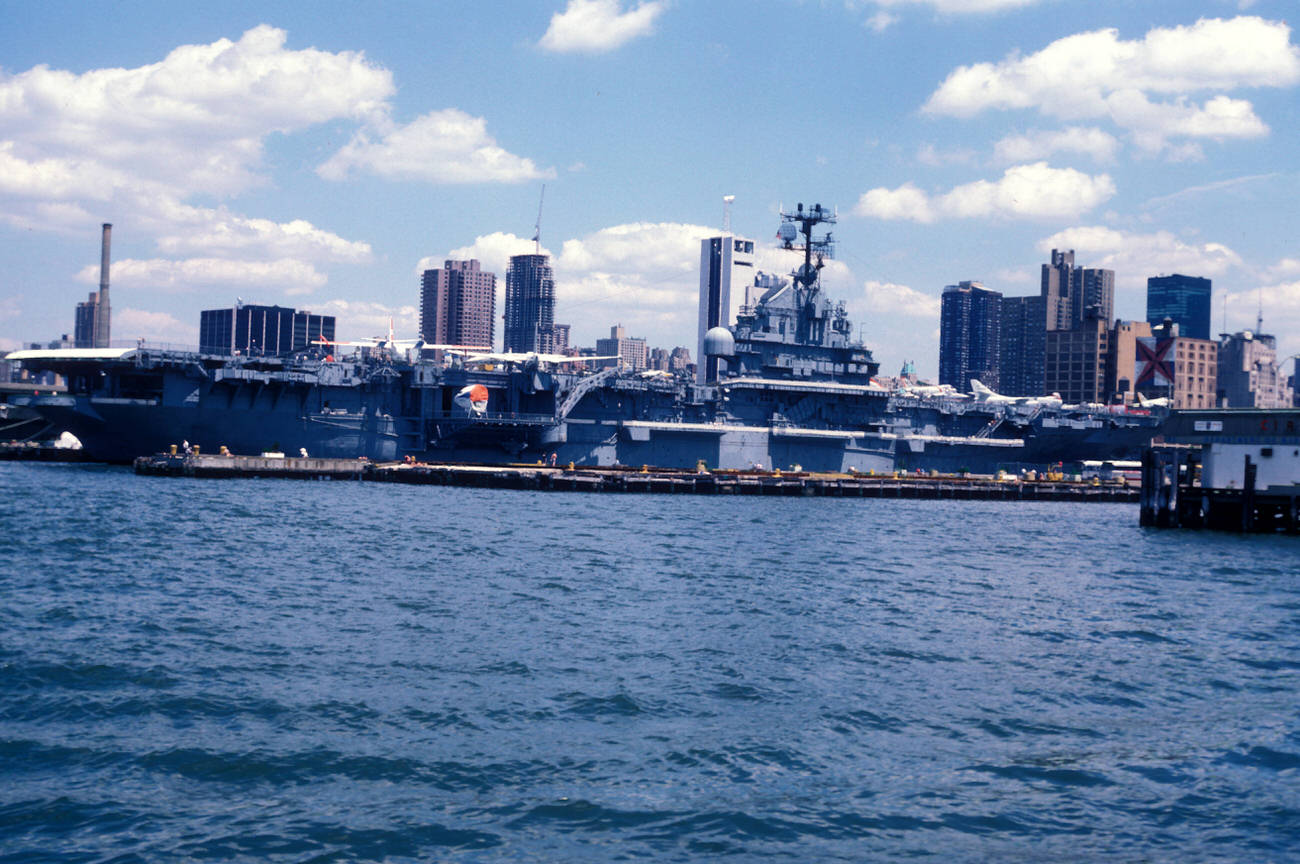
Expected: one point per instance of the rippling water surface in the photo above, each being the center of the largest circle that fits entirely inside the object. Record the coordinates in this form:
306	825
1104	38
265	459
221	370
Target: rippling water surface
287	671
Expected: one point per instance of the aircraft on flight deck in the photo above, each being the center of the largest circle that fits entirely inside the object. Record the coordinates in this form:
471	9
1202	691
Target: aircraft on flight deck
987	396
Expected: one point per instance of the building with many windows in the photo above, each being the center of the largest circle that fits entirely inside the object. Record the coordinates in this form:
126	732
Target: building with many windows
530	305
1096	298
1248	372
1180	368
458	304
1076	362
1185	300
267	331
970	328
1023	348
631	352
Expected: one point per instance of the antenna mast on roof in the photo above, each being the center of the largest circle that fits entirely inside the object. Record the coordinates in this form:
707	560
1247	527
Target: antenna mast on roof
726	213
537	229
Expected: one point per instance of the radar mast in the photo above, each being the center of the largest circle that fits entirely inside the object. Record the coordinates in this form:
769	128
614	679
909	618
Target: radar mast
807	279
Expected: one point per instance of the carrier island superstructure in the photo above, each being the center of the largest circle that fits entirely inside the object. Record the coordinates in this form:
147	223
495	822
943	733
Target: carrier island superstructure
784	385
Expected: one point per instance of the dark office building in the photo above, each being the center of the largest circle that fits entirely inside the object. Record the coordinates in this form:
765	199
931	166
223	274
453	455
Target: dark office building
1185	299
261	331
530	305
458	304
970	324
1023	360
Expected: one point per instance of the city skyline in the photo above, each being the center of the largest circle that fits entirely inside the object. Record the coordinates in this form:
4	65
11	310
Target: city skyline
323	162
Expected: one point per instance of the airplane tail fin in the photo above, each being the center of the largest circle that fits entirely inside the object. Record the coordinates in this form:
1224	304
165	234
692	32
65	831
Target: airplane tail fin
978	388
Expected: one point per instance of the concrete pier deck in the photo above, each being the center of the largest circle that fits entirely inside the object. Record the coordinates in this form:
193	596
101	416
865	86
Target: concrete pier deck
636	480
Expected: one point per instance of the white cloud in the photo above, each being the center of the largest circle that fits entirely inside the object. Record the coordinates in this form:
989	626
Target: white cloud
954	7
598	26
446	146
182	275
1097	75
142	142
1134	257
1035	191
360	320
1094	143
220	232
493	252
907	202
1280	305
889	298
154	327
1285	267
193	121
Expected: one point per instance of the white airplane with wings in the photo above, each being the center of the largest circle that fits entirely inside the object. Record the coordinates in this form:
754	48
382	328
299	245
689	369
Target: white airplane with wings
988	397
525	357
930	390
1144	402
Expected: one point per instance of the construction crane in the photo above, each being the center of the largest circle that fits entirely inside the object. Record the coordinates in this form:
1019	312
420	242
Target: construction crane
537	229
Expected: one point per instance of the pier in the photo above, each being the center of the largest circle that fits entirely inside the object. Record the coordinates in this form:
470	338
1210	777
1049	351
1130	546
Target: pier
645	480
1225	470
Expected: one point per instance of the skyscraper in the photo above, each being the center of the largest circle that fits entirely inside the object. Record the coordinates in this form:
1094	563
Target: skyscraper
1185	299
1096	297
970	326
457	304
726	264
1024	347
530	304
1060	287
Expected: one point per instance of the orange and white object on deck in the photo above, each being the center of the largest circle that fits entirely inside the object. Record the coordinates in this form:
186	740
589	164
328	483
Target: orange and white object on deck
473	398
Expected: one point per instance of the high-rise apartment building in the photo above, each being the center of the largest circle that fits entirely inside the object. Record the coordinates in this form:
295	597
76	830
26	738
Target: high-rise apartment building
1248	372
1096	296
458	304
1075	294
970	327
1023	359
1060	287
530	305
1185	300
726	275
266	331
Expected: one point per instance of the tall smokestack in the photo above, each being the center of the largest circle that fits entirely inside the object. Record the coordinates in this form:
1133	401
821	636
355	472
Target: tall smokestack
103	314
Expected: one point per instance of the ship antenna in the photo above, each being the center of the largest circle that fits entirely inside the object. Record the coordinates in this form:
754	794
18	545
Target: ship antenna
537	228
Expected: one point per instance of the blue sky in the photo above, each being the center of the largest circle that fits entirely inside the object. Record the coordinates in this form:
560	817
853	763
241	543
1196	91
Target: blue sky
320	154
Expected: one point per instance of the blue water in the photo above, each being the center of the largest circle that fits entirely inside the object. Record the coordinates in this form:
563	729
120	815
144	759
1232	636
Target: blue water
287	671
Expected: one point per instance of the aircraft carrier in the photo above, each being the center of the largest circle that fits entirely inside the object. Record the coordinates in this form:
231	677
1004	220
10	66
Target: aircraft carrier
792	389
